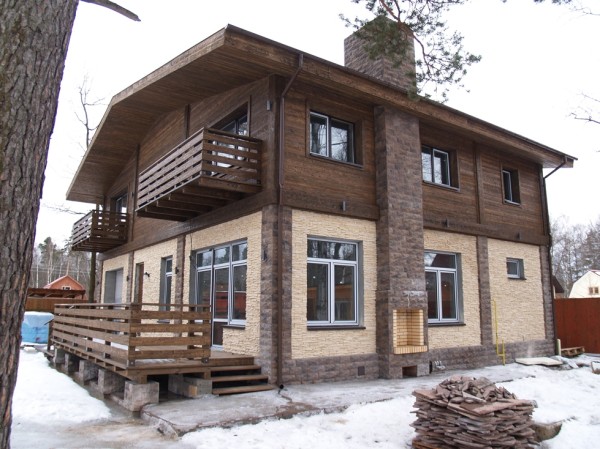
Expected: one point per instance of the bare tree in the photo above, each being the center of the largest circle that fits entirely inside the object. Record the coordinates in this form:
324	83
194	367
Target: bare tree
34	37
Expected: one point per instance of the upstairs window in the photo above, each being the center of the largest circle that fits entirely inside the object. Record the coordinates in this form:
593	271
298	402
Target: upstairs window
510	186
332	138
238	126
593	291
119	203
437	166
515	268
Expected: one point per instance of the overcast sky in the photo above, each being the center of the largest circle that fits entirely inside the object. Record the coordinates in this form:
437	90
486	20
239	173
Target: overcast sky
538	62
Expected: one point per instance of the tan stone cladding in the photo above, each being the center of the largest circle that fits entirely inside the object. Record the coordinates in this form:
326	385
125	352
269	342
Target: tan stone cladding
468	334
239	340
332	342
519	302
152	257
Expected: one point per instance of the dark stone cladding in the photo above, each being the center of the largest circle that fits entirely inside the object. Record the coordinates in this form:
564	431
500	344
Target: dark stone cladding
356	57
545	266
485	295
400	241
267	355
331	369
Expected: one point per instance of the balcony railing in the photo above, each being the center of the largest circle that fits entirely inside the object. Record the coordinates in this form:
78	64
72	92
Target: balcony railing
99	231
208	170
135	340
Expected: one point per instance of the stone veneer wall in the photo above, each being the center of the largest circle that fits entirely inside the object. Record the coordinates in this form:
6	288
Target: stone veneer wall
332	342
468	334
238	340
519	302
116	263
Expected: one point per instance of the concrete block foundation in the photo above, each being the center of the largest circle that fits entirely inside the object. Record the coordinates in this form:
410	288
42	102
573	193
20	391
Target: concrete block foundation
87	371
109	382
190	387
136	395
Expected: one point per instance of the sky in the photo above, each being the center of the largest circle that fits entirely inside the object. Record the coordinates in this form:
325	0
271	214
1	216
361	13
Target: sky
50	410
538	63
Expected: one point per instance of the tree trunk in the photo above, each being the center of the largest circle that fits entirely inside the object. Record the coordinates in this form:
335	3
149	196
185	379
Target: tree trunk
34	36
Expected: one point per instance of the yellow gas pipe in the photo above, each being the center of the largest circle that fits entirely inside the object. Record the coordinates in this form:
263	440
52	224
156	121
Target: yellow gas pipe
498	353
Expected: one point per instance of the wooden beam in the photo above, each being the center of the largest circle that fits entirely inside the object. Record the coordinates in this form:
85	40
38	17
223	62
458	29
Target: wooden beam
198	200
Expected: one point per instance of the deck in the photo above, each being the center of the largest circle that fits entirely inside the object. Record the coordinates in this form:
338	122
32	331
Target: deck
141	340
99	231
210	169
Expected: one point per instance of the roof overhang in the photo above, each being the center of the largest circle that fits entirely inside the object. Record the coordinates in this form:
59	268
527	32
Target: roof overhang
233	57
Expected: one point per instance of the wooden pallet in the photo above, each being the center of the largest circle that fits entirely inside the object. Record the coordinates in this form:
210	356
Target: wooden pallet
572	352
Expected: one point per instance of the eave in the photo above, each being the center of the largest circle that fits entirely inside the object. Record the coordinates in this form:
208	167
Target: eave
234	57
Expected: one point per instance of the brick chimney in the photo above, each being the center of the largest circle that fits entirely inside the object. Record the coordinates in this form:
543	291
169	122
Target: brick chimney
356	54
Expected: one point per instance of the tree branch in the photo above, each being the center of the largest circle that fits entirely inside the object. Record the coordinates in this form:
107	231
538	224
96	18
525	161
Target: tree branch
114	7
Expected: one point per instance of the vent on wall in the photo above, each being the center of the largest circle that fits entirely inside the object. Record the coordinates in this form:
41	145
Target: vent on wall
409	336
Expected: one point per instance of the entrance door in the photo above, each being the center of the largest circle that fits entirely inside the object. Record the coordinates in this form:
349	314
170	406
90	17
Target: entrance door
220	304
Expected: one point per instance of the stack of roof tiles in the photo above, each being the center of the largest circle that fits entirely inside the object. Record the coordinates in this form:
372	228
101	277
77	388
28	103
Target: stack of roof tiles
464	412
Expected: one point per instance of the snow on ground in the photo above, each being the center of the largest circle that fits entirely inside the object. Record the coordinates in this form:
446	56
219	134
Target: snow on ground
50	410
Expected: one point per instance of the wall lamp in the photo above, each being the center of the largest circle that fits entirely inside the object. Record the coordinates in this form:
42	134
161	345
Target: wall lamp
147	274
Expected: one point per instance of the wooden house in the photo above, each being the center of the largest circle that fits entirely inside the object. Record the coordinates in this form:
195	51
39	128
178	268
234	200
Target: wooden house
337	227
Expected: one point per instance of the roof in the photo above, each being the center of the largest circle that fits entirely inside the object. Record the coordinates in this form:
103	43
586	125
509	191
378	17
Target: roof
234	57
66	281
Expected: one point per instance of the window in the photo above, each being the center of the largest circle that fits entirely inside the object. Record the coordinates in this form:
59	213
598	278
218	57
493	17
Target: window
331	287
221	275
119	203
166	278
66	287
441	279
238	126
332	138
515	268
594	290
510	185
437	166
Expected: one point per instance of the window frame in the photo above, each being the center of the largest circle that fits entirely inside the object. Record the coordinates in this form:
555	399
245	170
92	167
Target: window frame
519	264
511	191
593	290
166	283
451	171
332	264
352	154
214	266
456	272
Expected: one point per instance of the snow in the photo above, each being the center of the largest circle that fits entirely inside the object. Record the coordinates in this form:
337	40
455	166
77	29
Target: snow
50	410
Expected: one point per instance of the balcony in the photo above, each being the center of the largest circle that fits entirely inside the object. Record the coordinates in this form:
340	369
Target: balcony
209	170
99	231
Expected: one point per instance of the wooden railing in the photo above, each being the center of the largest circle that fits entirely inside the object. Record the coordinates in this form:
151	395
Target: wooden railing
123	336
229	161
99	231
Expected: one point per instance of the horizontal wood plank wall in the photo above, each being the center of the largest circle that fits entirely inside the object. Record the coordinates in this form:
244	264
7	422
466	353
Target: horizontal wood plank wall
577	323
476	206
459	203
320	184
527	217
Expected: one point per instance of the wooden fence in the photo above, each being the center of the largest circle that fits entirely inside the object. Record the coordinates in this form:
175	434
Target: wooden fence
126	338
578	323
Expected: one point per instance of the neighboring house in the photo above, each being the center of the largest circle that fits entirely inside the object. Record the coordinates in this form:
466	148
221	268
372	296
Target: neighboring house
339	228
587	286
557	288
65	283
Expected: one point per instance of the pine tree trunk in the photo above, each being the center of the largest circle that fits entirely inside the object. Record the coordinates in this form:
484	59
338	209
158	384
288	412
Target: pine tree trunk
34	36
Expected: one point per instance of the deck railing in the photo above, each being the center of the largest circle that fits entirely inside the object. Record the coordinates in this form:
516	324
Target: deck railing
124	336
218	158
99	231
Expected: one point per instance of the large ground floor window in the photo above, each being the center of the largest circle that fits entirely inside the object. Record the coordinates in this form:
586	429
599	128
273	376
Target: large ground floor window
221	283
332	278
441	278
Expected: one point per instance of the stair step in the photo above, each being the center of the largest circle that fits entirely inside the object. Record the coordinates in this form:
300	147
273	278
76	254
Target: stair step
218	369
242	389
241	378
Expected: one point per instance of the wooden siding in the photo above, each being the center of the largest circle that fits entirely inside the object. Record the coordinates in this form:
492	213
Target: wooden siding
99	231
577	323
476	204
321	184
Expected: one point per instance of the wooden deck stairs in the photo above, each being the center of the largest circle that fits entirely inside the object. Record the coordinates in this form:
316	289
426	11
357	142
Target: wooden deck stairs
239	378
